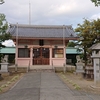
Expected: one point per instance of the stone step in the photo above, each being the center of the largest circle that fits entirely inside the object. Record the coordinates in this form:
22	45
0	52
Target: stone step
41	70
40	67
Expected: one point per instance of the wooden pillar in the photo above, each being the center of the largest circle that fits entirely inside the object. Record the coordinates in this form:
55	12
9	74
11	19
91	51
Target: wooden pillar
31	56
16	56
50	55
66	42
65	55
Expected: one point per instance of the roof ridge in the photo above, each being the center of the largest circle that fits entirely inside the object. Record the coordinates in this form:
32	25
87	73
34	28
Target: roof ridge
46	26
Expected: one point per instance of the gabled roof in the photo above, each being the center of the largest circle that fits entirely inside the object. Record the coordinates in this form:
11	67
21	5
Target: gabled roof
42	31
95	46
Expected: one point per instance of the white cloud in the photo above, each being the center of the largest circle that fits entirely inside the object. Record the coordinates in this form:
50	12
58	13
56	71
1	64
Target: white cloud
8	43
96	16
49	12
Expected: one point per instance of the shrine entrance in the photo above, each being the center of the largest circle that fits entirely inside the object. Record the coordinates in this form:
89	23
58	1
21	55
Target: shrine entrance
41	56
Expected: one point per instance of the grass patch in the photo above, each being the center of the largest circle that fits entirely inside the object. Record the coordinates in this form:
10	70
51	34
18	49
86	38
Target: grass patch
3	86
0	89
14	78
77	87
8	82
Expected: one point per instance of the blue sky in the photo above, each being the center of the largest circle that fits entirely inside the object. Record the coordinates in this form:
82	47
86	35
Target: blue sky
49	12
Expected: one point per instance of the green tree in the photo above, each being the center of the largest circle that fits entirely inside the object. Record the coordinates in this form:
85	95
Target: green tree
89	33
96	2
3	30
71	44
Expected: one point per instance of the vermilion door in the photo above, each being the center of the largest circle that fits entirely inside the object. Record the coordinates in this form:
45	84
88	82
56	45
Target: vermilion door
41	56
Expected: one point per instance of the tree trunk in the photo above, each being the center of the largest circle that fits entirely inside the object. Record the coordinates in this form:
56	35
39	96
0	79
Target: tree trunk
85	56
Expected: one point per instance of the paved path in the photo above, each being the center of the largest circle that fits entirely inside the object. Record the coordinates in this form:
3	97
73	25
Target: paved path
44	86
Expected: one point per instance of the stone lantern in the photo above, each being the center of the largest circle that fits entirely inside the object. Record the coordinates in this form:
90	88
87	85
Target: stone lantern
96	63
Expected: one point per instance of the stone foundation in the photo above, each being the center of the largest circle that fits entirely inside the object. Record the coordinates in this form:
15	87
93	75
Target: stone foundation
18	69
68	68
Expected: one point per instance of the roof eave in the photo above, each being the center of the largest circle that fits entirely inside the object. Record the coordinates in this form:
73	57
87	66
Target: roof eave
49	38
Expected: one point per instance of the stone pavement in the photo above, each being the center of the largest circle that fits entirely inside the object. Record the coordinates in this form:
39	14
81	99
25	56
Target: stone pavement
44	86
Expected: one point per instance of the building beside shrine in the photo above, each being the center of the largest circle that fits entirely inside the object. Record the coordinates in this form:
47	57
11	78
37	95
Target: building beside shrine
41	44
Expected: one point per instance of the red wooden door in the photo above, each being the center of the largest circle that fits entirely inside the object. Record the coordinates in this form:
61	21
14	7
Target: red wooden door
41	56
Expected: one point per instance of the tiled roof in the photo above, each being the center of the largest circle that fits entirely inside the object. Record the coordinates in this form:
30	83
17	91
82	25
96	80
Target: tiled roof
8	50
72	50
42	31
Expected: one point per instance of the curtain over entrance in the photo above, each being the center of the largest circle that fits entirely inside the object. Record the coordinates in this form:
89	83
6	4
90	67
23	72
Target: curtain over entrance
41	56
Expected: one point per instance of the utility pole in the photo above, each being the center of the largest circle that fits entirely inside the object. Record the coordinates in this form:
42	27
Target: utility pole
16	62
64	50
29	13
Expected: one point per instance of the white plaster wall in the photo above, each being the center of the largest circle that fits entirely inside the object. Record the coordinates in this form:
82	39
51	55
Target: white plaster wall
23	62
58	62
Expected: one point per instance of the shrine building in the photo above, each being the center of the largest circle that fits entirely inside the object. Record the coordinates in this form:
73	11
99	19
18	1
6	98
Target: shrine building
41	44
